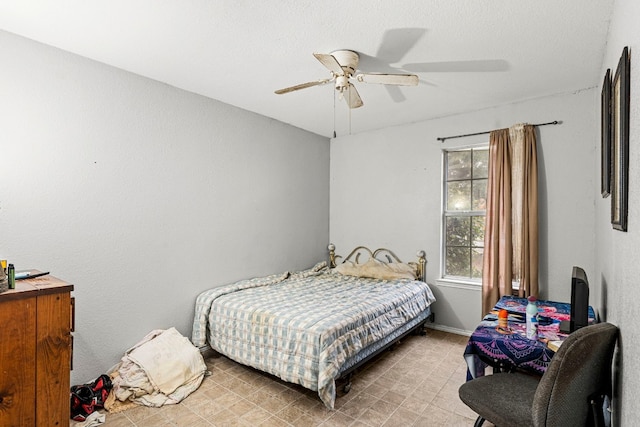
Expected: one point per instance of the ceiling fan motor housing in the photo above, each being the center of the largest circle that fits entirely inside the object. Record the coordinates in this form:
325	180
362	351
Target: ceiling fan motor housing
348	60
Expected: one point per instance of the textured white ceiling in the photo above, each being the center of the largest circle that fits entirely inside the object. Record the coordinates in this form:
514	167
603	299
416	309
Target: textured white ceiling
468	54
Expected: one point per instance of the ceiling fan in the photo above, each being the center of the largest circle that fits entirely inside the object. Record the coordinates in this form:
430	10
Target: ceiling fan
343	64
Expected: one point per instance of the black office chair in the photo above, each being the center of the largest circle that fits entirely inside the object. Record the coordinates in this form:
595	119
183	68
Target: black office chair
568	394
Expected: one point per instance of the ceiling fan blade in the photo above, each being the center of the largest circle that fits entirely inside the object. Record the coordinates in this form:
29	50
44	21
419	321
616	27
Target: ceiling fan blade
389	79
330	62
352	97
302	86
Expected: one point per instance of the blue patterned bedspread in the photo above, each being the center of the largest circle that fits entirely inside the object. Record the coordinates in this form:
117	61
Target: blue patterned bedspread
304	327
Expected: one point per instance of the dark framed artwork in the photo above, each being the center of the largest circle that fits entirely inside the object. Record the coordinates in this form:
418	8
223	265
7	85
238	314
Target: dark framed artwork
605	130
620	143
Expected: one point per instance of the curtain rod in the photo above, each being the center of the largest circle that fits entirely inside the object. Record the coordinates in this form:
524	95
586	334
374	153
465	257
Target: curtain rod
444	138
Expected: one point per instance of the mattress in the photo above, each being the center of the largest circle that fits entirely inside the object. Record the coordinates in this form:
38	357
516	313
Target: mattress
308	327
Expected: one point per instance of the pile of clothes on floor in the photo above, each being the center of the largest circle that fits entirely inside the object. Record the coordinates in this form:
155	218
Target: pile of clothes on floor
163	368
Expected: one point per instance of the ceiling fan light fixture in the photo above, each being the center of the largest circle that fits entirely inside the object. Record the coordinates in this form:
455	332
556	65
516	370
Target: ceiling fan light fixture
342	83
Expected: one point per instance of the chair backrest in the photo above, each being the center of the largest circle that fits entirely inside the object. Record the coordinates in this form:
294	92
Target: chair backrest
580	369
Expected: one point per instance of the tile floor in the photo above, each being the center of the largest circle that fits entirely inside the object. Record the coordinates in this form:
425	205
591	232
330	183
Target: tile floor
415	384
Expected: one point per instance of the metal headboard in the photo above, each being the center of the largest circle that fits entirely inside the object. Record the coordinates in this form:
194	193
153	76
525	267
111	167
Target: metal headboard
381	254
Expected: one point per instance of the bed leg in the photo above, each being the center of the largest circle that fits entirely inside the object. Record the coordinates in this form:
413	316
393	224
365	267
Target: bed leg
345	385
421	330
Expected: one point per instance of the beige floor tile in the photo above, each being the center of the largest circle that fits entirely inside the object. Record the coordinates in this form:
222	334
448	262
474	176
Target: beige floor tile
256	416
338	420
415	384
155	420
117	420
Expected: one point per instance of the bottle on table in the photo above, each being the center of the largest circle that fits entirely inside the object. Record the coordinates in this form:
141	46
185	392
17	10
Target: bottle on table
11	273
532	318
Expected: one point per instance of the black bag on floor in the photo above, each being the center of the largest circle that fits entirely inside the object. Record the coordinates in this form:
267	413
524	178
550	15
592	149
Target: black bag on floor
86	398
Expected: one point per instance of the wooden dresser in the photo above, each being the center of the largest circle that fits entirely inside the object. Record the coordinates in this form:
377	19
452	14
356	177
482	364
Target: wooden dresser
36	321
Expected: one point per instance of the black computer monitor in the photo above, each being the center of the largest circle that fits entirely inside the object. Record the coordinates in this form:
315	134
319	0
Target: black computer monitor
579	302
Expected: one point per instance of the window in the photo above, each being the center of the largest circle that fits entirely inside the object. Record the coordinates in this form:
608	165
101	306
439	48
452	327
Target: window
465	192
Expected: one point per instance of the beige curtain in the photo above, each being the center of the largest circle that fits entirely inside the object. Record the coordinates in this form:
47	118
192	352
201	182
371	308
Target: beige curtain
511	226
524	178
496	268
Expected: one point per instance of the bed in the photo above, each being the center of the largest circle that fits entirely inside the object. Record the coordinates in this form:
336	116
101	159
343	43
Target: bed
316	326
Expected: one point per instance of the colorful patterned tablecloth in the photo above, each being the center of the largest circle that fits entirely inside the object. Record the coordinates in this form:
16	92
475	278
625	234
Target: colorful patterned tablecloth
490	346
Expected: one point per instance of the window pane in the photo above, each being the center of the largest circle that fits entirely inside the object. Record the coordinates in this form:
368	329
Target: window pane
458	165
458	231
480	164
457	262
465	180
459	196
477	231
476	263
479	194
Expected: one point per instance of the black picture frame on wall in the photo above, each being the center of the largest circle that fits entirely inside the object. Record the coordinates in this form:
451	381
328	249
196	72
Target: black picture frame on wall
619	186
605	129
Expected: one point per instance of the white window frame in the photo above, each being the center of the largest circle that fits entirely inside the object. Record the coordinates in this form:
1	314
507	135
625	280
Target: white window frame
455	281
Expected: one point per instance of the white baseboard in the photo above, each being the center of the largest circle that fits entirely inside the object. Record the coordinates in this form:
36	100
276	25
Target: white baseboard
449	329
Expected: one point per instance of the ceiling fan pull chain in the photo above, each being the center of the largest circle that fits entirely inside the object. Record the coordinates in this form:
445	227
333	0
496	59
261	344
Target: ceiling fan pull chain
349	112
334	113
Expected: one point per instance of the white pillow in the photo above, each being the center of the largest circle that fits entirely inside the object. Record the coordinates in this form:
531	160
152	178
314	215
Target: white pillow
348	268
377	269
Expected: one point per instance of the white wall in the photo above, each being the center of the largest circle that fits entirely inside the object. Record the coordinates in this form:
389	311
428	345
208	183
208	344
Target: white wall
143	195
386	192
618	253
